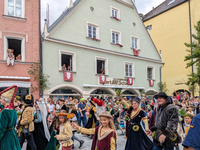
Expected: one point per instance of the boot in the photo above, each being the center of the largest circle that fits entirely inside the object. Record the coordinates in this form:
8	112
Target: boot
81	143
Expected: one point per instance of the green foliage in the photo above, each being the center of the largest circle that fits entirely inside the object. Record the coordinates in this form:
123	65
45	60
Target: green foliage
39	77
194	54
142	91
163	87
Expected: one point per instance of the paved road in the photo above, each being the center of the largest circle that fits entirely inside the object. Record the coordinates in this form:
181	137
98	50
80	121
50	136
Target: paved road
88	142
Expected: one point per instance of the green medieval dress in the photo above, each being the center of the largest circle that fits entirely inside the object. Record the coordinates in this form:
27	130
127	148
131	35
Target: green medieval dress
8	136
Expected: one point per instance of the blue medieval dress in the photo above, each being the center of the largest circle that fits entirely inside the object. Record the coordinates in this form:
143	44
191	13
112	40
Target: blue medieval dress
137	138
8	136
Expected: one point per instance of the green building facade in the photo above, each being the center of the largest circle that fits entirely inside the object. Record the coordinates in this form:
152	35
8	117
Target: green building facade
100	41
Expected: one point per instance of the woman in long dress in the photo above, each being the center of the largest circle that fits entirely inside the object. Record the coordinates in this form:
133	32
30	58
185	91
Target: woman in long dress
137	138
8	118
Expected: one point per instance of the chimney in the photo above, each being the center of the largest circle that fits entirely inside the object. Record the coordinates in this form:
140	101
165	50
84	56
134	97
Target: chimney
71	4
152	8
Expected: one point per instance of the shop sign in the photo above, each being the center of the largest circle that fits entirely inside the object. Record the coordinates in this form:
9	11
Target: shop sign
116	81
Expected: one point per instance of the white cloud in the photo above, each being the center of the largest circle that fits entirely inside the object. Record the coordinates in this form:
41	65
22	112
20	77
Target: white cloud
57	7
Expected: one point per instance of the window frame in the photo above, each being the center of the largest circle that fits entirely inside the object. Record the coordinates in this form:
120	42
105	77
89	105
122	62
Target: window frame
73	59
120	36
22	12
153	72
116	9
138	42
22	46
133	69
97	30
106	64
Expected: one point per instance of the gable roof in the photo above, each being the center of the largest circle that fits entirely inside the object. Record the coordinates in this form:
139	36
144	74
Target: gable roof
63	15
163	7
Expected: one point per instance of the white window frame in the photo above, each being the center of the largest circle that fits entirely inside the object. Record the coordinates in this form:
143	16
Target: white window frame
116	9
120	36
22	46
73	59
138	42
106	64
133	69
6	9
94	25
153	72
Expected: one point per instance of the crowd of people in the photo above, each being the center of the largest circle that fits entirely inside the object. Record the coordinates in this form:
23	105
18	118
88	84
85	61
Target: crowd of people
55	123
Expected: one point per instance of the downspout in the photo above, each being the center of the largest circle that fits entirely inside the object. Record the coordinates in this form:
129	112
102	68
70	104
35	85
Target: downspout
40	40
190	22
161	76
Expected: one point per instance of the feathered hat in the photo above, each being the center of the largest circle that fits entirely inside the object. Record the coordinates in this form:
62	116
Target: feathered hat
9	95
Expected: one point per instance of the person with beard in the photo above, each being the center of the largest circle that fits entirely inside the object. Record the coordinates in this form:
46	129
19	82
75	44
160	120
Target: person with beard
136	131
8	118
165	134
26	121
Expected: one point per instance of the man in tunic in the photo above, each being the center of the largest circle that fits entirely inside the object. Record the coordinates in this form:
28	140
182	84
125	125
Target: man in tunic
166	123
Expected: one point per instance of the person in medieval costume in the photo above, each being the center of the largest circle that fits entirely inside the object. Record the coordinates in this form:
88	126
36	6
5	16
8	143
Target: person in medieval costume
41	133
26	122
105	136
92	118
136	130
8	118
117	119
165	134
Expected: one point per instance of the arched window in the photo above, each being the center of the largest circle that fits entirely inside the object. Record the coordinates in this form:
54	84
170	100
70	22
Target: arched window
65	93
129	94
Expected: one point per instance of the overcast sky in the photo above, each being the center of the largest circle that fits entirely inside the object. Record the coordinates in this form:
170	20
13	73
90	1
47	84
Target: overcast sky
57	7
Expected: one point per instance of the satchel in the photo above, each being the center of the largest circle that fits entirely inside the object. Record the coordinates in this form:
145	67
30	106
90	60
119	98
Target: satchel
26	132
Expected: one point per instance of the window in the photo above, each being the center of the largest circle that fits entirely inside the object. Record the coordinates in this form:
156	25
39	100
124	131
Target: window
67	58
129	69
134	42
150	73
67	61
101	66
115	13
92	31
17	45
14	8
116	37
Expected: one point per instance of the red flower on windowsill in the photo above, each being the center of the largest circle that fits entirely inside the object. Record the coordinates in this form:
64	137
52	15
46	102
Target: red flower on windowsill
119	45
116	18
95	39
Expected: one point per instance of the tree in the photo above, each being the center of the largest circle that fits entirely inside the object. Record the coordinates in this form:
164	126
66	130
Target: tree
194	55
163	87
39	77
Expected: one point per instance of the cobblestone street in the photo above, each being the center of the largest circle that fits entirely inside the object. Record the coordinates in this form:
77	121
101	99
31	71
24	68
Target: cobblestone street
88	142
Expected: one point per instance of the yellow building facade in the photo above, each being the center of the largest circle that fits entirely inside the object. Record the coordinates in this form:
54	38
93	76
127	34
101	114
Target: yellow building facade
170	29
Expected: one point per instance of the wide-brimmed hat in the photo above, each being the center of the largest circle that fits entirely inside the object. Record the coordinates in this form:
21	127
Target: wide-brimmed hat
62	100
105	114
92	103
161	94
82	99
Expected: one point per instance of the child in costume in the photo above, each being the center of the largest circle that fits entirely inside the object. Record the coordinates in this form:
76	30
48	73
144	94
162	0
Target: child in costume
65	135
188	119
105	136
8	118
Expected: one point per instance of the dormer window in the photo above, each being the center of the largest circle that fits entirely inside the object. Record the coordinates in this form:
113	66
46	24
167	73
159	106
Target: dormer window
172	1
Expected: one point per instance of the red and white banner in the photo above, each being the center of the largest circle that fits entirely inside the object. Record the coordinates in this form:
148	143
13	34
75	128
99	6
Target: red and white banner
151	82
130	81
136	52
68	76
102	79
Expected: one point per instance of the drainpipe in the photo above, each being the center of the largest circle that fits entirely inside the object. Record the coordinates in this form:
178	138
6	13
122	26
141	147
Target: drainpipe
190	22
161	76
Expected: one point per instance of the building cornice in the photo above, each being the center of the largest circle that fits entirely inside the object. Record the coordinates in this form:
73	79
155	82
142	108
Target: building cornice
100	50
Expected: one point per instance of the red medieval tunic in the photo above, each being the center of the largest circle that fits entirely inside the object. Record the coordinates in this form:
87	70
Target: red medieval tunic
102	140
